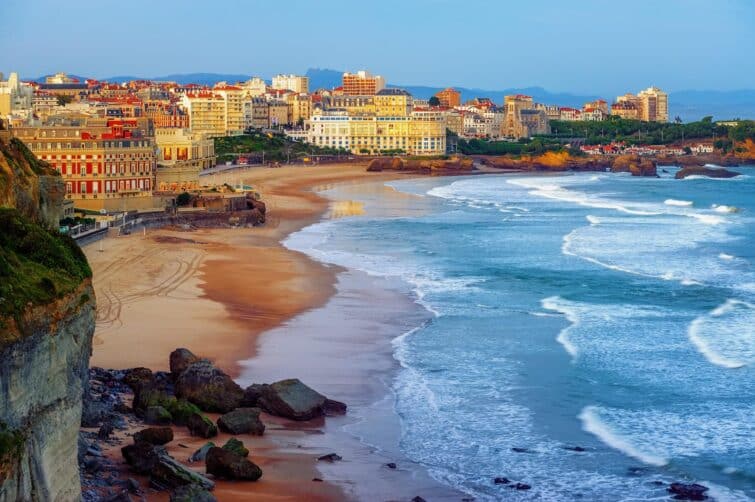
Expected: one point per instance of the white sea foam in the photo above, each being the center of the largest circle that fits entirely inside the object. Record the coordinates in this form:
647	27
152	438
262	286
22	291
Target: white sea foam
680	203
556	303
594	220
592	423
725	256
725	336
725	209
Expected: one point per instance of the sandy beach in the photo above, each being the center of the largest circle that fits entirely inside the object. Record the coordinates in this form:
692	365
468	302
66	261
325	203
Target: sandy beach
216	291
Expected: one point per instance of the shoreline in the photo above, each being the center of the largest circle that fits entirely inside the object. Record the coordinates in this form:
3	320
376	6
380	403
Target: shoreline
201	290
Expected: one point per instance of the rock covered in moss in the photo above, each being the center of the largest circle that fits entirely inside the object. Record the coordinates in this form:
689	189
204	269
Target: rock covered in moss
227	464
242	421
237	447
209	388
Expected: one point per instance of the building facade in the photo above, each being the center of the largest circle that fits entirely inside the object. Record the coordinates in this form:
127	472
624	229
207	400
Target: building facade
105	163
181	156
206	112
296	83
362	83
522	118
449	97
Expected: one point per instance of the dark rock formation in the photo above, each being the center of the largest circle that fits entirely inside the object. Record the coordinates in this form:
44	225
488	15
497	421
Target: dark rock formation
164	471
226	464
705	171
242	421
251	395
157	415
180	359
439	165
201	454
330	457
154	435
236	447
200	425
191	493
683	491
292	399
209	388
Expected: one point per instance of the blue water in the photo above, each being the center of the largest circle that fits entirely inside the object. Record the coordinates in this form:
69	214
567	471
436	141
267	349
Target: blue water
603	311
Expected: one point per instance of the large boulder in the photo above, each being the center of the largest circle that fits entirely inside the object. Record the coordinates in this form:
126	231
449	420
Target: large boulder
209	388
684	491
237	447
227	464
251	395
137	377
201	454
292	399
705	171
157	415
200	425
168	473
180	359
242	421
164	471
191	493
154	435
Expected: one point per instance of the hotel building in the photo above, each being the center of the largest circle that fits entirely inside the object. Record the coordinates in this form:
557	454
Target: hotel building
362	83
295	83
105	163
206	111
449	97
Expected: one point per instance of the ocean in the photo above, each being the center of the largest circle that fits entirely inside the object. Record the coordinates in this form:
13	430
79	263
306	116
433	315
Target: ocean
591	335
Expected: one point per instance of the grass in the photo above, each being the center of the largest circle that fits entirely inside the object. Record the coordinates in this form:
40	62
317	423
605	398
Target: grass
37	266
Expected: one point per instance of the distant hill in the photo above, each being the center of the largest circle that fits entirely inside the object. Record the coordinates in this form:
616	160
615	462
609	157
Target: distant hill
688	104
187	78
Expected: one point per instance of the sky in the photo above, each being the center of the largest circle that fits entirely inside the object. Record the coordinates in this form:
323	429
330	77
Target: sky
587	46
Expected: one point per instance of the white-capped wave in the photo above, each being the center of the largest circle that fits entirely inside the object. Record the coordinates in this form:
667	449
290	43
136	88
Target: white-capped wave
725	336
680	203
725	256
658	435
558	192
557	304
720	208
592	423
594	220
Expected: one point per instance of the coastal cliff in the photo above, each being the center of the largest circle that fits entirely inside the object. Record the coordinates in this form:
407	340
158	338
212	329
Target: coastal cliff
46	327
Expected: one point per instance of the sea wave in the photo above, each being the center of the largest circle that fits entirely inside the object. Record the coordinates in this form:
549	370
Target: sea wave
557	304
724	336
724	209
592	423
681	203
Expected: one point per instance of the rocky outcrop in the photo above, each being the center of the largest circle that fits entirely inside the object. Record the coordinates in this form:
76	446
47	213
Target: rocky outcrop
29	185
429	166
242	421
209	388
226	464
46	327
705	171
42	379
684	491
292	399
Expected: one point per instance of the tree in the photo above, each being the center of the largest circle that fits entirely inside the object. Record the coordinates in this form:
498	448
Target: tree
434	101
183	199
64	99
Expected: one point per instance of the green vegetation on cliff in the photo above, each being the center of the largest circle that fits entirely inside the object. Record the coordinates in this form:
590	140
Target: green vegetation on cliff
650	133
276	147
37	265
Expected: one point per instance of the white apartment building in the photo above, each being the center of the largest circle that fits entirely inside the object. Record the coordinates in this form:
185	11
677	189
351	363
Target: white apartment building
297	83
